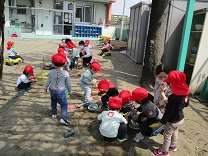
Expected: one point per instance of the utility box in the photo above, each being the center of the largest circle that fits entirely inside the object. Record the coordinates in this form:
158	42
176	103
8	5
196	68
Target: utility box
138	30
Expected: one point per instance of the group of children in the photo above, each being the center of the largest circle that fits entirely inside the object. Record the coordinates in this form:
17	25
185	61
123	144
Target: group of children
165	107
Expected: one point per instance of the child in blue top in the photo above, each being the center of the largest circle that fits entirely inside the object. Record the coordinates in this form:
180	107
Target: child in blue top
86	80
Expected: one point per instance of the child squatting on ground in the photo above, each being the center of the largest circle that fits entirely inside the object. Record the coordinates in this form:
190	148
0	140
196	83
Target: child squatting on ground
86	80
173	117
113	124
25	80
59	83
149	115
128	107
109	89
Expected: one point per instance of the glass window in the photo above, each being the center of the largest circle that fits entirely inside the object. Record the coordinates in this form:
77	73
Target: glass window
58	5
21	10
85	12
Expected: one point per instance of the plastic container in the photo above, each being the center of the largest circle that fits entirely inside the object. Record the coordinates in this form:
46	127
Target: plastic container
69	133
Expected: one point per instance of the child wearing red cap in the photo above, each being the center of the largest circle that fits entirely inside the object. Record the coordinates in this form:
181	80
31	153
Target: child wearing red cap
25	80
12	53
61	50
109	89
128	107
58	83
106	47
85	53
149	115
86	80
161	89
113	124
173	117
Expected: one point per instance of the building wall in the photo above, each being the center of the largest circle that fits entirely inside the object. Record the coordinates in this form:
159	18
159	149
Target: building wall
44	18
100	12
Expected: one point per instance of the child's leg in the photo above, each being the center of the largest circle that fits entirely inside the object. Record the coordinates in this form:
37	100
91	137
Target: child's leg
168	134
87	90
139	118
53	102
23	85
122	131
104	100
61	99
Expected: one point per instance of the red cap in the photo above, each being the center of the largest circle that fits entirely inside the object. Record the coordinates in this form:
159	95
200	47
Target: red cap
124	95
95	66
103	85
70	44
87	42
58	58
108	39
115	102
138	94
9	43
177	80
61	45
29	70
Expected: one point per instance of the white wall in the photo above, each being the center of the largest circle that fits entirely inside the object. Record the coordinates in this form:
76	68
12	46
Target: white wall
44	18
100	12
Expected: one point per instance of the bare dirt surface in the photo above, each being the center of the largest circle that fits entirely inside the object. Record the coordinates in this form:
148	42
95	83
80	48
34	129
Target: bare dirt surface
27	129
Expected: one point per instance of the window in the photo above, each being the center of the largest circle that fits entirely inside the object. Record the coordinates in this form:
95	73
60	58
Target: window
21	9
85	12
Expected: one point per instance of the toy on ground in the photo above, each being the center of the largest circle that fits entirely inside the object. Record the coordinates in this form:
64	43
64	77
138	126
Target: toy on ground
92	107
79	63
11	62
107	53
42	76
47	65
69	133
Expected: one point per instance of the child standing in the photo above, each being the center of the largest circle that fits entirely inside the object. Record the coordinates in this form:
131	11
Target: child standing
113	124
150	114
61	50
25	80
128	106
161	89
106	47
12	53
109	89
58	82
86	80
173	117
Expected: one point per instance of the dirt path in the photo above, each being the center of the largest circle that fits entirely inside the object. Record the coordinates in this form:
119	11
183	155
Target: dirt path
27	129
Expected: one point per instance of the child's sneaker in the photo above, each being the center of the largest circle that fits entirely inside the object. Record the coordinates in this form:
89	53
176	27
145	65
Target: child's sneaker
159	152
86	102
54	116
64	121
23	91
173	148
134	125
122	140
138	137
29	88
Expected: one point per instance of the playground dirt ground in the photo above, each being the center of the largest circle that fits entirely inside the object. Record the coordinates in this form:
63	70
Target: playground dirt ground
27	129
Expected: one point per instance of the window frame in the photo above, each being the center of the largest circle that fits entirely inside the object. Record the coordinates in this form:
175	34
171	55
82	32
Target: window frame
22	10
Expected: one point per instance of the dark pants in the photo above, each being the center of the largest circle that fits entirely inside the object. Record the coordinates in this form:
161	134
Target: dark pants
144	126
86	60
103	50
73	62
15	57
121	133
23	85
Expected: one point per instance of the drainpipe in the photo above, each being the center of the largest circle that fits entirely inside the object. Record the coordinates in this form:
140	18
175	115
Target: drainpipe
109	13
186	34
122	21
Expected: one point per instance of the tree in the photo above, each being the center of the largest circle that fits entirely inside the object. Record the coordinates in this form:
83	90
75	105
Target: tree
2	21
155	40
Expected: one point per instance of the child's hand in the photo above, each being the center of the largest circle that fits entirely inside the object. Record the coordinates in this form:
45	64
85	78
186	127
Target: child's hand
144	119
45	91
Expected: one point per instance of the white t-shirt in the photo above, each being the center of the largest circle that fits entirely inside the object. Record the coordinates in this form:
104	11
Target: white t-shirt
110	123
88	52
23	78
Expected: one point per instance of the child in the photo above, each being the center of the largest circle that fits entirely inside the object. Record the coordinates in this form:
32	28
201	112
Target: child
106	47
75	57
12	53
173	117
69	48
161	89
86	54
61	50
128	106
86	80
25	80
149	115
59	83
110	90
113	124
